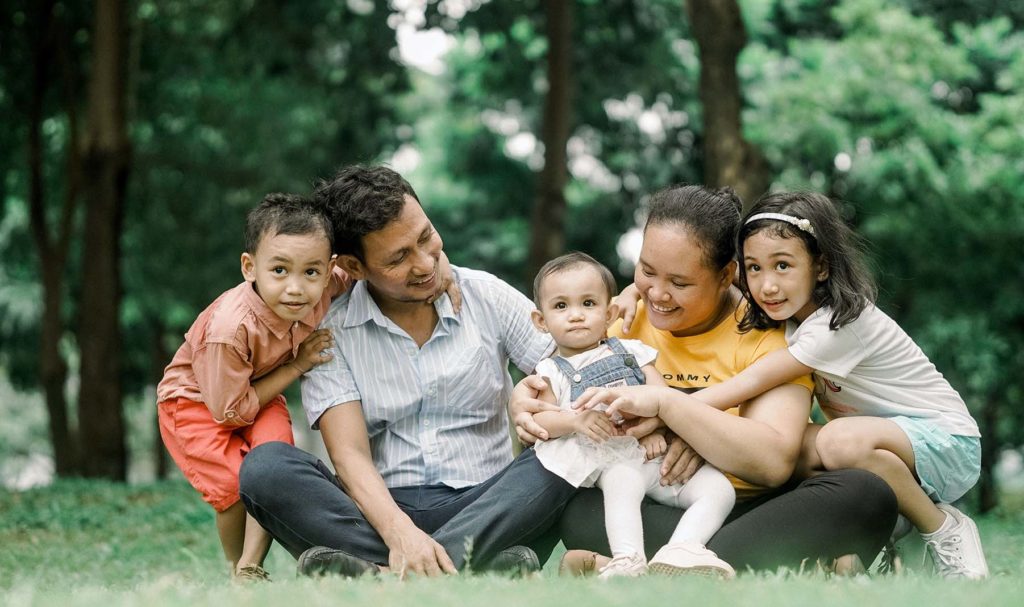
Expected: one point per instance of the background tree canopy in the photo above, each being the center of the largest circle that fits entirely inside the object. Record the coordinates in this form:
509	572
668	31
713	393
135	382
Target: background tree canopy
907	110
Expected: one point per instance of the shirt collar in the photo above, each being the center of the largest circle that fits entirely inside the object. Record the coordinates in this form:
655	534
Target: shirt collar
362	308
277	325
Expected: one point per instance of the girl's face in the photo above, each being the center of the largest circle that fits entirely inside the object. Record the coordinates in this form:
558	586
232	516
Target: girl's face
574	309
680	292
781	275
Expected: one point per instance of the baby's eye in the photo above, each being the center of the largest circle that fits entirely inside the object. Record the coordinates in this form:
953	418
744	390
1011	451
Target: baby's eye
560	305
589	303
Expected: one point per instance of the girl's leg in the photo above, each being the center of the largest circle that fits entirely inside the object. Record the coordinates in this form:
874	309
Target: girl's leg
623	489
231	529
707	499
879	445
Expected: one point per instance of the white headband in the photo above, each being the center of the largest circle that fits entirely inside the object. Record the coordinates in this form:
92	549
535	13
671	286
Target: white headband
803	224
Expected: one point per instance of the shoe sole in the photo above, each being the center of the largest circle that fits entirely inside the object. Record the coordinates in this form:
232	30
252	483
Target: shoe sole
699	571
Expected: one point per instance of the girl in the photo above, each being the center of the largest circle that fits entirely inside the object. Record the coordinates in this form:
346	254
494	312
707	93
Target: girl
889	410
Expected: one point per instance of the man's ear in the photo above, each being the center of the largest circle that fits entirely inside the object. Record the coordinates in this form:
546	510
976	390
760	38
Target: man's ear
538	321
248	267
352	266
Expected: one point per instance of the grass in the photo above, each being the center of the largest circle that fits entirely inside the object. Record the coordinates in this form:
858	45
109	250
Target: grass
94	543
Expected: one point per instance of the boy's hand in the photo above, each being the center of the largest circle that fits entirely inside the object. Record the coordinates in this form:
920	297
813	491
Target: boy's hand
448	284
624	306
654	444
595	425
314	350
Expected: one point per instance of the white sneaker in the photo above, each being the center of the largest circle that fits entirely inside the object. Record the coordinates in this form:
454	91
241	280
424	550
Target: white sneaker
624	565
957	551
690	558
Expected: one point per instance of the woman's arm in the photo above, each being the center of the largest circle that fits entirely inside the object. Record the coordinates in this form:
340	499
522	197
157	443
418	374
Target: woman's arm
774	369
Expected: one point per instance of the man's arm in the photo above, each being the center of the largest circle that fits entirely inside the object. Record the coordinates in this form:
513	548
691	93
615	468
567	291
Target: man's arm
411	550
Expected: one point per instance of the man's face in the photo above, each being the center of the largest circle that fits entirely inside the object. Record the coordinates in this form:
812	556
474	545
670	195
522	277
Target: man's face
401	263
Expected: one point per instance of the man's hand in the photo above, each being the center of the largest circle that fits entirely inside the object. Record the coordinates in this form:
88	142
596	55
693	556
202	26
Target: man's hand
681	462
414	552
524	403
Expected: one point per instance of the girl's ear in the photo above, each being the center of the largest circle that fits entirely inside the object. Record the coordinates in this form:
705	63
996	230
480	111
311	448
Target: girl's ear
538	321
822	266
248	267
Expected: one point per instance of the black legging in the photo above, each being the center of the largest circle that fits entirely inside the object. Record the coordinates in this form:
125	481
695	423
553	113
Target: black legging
829	515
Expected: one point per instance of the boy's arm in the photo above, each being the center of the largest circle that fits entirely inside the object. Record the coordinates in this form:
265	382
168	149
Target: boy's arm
774	369
312	352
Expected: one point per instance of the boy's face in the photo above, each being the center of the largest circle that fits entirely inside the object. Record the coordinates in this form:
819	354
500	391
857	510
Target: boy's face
574	308
290	272
402	259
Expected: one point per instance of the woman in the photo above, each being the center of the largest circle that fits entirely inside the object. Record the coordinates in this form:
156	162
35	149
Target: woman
689	314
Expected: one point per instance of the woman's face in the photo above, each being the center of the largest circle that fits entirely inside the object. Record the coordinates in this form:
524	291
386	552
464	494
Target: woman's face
682	294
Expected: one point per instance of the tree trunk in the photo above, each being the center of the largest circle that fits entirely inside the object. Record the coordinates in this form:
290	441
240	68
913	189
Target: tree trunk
106	158
52	254
729	160
988	490
158	361
547	221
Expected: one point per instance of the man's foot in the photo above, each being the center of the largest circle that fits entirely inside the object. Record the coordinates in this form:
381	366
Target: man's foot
690	558
517	561
848	565
252	573
580	563
624	565
320	560
955	547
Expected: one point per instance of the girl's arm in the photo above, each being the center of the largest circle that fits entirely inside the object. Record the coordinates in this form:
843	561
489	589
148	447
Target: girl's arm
624	306
774	369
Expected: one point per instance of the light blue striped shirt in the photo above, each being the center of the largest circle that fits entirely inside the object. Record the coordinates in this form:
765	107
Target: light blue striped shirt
436	414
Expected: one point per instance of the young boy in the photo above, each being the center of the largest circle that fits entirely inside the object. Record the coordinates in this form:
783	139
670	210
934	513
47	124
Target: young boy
221	394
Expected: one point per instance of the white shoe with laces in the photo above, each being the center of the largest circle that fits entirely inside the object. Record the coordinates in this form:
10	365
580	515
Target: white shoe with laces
624	565
690	558
956	549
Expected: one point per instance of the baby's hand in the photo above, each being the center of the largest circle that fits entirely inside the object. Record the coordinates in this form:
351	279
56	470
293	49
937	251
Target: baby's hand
654	444
595	425
314	350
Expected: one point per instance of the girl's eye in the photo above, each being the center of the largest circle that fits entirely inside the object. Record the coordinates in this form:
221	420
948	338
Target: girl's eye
312	272
589	303
783	265
753	268
560	305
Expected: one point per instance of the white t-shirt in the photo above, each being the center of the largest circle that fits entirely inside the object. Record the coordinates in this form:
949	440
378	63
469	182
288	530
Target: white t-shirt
872	367
575	458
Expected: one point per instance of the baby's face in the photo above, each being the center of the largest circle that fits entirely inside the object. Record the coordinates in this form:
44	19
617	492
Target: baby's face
290	272
574	308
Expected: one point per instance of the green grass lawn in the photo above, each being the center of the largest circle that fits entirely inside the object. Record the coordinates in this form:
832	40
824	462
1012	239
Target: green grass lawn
91	543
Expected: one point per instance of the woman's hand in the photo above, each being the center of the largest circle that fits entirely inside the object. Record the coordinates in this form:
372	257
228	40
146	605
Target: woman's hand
624	306
524	402
627	401
681	462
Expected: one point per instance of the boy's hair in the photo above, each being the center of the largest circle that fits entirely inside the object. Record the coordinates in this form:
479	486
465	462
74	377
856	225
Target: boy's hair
360	200
849	287
287	214
710	215
568	262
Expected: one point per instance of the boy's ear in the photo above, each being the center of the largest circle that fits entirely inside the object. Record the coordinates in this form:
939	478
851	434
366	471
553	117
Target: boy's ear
352	266
538	321
248	267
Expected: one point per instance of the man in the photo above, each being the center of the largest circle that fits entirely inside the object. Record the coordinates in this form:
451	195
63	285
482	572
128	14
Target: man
411	409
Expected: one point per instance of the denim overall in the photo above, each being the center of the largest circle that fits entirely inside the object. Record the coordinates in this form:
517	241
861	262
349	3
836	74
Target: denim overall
619	369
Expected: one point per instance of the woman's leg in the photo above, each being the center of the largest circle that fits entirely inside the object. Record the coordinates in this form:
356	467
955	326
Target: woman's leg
879	445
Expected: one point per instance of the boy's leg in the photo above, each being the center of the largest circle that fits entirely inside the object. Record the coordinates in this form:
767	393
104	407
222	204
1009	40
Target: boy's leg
298	500
517	506
231	530
257	543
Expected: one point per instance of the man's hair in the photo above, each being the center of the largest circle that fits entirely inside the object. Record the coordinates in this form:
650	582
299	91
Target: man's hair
571	261
360	200
287	214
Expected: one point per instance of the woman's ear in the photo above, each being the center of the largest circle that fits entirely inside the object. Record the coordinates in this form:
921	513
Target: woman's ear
729	274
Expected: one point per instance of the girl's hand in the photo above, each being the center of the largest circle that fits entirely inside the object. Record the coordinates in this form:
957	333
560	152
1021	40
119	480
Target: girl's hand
314	350
624	306
448	284
594	425
628	401
654	444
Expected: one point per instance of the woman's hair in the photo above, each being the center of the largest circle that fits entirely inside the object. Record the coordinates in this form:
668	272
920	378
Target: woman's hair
710	215
849	287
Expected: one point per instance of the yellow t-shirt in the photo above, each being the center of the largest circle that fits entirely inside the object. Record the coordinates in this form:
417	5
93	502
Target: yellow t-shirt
698	361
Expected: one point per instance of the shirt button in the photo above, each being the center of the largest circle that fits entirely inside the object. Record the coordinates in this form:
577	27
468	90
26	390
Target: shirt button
426	422
229	414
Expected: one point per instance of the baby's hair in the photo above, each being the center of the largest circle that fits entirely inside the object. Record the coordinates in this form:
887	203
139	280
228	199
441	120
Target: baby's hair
710	215
570	261
288	214
849	287
361	200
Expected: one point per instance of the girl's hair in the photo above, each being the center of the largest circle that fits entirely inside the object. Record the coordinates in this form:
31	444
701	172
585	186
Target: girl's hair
710	215
849	287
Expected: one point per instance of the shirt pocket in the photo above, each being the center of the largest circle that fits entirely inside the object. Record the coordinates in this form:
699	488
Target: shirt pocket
473	383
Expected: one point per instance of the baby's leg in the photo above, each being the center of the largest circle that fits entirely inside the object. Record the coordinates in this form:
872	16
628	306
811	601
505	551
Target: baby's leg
879	445
623	488
708	498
